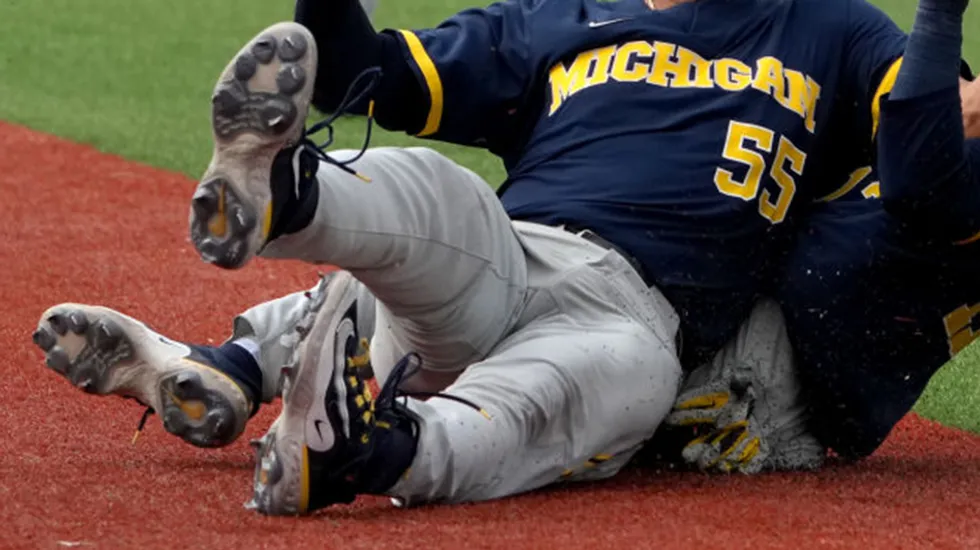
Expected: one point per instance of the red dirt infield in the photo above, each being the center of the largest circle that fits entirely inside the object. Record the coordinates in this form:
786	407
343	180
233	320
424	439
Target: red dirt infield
82	226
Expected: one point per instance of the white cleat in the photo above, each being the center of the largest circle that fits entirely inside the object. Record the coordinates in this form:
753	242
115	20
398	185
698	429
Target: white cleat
259	107
102	351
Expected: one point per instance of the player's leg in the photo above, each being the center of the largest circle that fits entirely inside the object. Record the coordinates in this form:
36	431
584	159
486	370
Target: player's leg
204	394
583	380
426	236
873	313
430	241
270	326
464	256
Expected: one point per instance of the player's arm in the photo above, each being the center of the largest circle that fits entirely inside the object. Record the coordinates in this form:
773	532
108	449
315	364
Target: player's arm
460	82
930	172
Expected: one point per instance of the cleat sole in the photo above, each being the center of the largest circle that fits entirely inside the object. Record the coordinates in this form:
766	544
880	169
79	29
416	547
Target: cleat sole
103	352
191	410
258	108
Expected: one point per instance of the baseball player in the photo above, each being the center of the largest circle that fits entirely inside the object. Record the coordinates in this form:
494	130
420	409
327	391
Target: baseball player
872	311
898	255
547	352
925	254
879	289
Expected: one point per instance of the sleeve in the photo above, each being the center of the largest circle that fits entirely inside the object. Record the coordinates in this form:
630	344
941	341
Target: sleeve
930	174
872	56
474	68
348	45
924	165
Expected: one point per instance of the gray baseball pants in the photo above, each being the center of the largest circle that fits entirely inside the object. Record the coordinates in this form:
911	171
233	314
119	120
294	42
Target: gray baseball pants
558	339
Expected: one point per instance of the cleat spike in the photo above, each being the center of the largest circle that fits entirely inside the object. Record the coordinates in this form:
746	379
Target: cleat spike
106	336
58	360
264	49
58	324
44	339
293	47
290	79
245	66
77	322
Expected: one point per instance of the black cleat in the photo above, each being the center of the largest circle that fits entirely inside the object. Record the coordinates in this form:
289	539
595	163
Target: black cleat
333	440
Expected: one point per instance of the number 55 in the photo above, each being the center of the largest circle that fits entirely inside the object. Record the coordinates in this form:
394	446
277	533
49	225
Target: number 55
787	155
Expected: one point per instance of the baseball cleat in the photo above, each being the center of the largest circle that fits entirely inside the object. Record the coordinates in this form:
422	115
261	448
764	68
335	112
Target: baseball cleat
332	440
259	107
104	352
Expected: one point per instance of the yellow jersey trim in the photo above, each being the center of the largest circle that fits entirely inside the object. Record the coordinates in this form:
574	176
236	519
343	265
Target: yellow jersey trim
969	240
885	86
856	177
432	81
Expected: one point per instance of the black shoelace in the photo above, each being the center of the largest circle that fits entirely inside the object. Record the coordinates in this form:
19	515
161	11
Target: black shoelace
368	80
390	392
139	427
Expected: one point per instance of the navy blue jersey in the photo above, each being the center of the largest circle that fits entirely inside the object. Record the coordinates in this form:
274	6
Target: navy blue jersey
873	311
684	136
876	304
931	174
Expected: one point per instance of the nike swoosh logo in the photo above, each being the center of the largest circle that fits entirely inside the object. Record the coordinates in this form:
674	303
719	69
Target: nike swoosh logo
598	24
316	424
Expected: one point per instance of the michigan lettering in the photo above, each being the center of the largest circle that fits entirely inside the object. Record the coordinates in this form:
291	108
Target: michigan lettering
669	65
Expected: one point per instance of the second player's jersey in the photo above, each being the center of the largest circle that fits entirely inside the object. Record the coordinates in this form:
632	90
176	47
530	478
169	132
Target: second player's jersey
873	311
685	136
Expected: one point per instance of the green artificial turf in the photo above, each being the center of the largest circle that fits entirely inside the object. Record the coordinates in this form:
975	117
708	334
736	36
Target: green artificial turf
134	78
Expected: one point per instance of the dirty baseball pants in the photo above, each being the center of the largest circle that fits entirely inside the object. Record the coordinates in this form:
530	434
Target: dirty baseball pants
557	338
